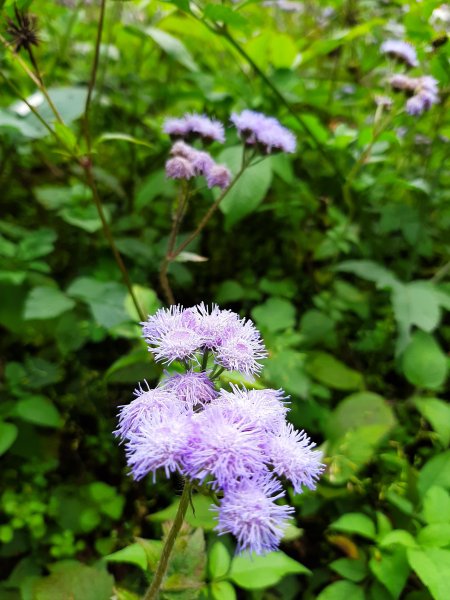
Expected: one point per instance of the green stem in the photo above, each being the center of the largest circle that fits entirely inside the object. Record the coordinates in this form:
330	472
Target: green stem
205	360
218	373
153	590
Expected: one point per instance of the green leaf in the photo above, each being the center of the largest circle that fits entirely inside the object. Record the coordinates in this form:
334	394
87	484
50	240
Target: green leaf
8	434
424	364
219	561
173	47
342	590
317	327
106	299
436	535
122	137
202	516
133	554
416	303
437	412
436	505
350	568
333	373
84	217
360	410
286	369
397	536
217	12
250	189
222	590
255	572
435	472
433	568
46	303
391	568
153	186
36	244
357	523
38	410
147	300
275	314
75	581
371	271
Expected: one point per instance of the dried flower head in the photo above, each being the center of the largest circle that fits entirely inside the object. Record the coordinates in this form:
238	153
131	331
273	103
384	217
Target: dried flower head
24	31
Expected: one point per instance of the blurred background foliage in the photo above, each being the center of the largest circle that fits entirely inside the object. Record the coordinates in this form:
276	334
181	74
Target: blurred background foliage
339	253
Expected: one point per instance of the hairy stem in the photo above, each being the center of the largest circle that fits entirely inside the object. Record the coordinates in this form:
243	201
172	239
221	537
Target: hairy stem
153	590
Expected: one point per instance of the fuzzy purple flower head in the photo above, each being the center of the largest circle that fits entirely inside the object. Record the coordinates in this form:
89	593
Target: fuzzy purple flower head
401	51
235	442
193	126
256	129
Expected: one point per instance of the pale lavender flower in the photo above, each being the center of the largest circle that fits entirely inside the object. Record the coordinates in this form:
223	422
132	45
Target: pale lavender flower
179	168
222	447
403	83
202	163
176	128
249	511
400	50
242	349
191	387
208	129
147	403
171	333
427	85
384	102
426	94
180	148
292	456
159	443
265	408
214	324
218	176
266	132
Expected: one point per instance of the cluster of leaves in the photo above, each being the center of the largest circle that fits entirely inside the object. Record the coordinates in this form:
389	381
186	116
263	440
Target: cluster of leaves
339	254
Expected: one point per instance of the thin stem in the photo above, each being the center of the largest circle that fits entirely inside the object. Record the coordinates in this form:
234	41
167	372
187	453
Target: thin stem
35	77
153	590
93	78
218	373
87	166
441	273
209	213
205	360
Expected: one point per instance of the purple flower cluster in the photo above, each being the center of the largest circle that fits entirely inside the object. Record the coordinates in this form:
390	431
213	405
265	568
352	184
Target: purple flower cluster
187	162
235	442
401	51
422	92
263	132
195	126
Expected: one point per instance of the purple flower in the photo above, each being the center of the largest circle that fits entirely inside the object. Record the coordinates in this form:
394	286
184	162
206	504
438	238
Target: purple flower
241	349
214	325
202	163
292	457
218	176
194	125
184	150
403	83
171	333
147	403
179	168
176	128
160	443
222	447
249	511
191	387
266	132
265	408
400	50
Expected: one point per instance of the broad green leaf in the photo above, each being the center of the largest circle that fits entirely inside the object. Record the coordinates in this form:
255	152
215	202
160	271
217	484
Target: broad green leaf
135	366
173	47
75	581
371	271
219	561
416	303
360	410
391	568
218	12
317	328
286	369
46	303
133	554
436	535
222	590
342	590
437	412
435	472
156	184
275	314
250	189
350	568
36	244
424	363
38	410
84	217
398	537
122	137
106	300
202	516
356	523
333	373
256	572
432	566
436	505
8	434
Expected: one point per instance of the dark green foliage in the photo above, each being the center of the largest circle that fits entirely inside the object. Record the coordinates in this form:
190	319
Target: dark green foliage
339	253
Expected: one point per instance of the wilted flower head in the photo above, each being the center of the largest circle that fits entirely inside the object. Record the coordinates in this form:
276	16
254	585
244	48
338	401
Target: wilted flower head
24	31
249	511
266	132
402	51
191	387
292	456
218	176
